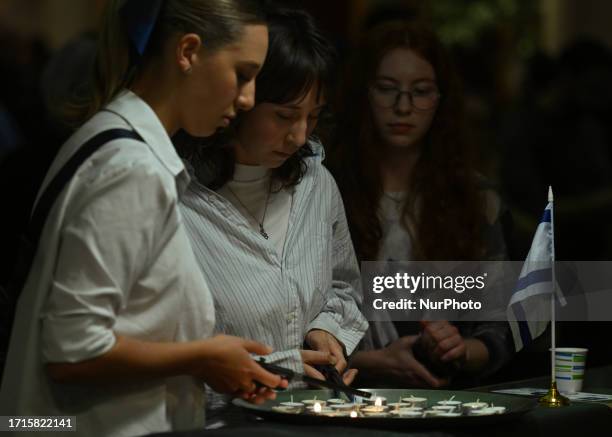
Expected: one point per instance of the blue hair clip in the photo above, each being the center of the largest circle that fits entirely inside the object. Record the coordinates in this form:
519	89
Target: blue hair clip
139	18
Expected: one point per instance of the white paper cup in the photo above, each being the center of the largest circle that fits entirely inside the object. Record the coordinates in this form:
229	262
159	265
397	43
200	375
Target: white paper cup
569	368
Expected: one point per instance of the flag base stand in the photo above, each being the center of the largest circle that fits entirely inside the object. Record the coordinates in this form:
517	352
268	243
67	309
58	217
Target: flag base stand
553	398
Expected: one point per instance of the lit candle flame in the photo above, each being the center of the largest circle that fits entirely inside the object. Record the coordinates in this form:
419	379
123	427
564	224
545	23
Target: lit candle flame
378	402
317	407
353	414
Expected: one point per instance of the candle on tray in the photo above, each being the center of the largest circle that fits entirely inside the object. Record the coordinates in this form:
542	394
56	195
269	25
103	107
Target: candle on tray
335	401
336	413
483	412
378	401
317	408
443	408
450	403
377	406
468	407
497	410
405	409
416	401
283	409
408	412
344	407
375	413
432	412
291	404
311	402
448	414
399	404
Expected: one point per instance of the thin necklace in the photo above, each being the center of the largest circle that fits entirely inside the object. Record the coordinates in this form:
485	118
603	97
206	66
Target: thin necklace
262	231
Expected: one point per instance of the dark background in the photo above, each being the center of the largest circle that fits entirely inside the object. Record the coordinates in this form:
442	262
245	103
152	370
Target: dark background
537	78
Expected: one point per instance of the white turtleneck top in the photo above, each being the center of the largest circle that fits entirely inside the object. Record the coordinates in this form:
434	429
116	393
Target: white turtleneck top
248	192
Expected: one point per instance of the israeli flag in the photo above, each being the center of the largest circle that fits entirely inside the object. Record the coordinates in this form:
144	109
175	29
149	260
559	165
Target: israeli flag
529	309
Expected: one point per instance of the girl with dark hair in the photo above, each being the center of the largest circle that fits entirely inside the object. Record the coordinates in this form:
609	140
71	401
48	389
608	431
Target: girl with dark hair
114	325
411	192
266	220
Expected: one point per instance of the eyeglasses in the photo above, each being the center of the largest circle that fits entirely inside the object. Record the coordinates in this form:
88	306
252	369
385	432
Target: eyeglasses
422	97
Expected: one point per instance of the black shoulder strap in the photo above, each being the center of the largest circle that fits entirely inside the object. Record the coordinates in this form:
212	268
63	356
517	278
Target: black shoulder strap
57	184
29	240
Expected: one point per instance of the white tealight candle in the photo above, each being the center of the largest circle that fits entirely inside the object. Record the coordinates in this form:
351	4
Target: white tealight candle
415	401
407	412
291	404
283	409
483	412
377	401
448	414
294	405
398	405
311	402
335	401
376	414
497	410
450	403
372	409
419	409
446	408
354	414
317	408
336	413
427	413
471	406
343	407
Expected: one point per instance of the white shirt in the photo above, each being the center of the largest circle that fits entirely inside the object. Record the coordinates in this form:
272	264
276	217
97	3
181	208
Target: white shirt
250	192
113	258
272	296
396	242
395	246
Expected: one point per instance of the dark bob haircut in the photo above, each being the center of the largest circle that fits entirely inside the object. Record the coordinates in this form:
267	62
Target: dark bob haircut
299	57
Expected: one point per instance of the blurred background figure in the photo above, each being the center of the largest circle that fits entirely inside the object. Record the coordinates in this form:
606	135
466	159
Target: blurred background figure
412	192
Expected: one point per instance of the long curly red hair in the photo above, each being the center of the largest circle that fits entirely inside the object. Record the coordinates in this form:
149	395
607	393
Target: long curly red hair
448	223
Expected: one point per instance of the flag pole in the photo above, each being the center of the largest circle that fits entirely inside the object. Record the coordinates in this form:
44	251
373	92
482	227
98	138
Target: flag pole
553	318
553	398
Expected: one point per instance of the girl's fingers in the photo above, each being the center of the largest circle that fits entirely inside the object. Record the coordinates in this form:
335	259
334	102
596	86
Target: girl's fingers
312	372
349	376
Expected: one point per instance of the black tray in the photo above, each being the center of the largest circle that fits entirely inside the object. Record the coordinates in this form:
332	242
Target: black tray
515	406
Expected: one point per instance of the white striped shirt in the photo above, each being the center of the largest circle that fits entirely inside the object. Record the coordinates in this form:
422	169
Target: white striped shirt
274	298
